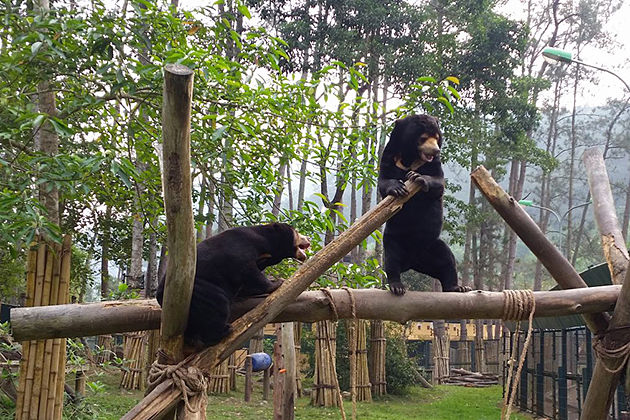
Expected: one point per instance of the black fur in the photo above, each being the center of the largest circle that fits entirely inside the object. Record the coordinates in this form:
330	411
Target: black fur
411	239
230	264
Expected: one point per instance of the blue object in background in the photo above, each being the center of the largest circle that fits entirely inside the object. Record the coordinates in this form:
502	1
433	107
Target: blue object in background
260	361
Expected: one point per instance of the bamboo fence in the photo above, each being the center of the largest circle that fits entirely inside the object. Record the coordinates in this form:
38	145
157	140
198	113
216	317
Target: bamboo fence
43	364
377	358
220	379
105	344
232	371
134	363
441	366
325	384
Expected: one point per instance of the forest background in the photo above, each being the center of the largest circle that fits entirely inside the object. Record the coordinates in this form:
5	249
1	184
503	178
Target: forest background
293	103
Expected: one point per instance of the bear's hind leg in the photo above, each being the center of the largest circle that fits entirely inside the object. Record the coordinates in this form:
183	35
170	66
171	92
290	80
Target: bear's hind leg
208	318
394	255
440	264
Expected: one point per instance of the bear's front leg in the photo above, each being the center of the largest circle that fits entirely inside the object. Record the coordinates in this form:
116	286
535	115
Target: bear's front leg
255	282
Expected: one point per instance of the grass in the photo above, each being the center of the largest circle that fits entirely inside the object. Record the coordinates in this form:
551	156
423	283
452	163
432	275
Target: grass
439	403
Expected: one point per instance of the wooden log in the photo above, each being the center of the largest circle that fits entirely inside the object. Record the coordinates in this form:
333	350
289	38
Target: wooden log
603	383
177	184
91	319
165	396
529	232
613	242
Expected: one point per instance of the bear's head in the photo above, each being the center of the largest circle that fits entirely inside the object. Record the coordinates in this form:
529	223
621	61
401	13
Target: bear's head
418	138
285	241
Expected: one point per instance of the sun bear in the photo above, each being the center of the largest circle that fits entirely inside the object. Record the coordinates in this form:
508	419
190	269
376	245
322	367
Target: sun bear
411	238
231	265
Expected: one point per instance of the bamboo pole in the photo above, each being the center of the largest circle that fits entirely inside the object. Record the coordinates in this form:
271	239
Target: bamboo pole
42	297
31	267
605	378
92	319
63	298
50	296
529	232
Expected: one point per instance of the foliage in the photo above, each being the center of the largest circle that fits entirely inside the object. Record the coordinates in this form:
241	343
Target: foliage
12	273
402	372
123	291
82	274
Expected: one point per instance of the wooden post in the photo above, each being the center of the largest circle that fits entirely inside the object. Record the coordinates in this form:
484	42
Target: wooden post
177	186
529	232
248	379
279	373
603	383
266	382
165	396
288	358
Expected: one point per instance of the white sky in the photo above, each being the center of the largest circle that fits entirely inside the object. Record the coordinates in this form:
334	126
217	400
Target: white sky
617	60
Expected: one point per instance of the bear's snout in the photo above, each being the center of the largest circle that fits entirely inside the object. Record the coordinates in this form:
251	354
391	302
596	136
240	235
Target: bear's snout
302	243
429	149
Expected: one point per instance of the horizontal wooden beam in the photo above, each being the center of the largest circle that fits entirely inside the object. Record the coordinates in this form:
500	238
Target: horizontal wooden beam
90	319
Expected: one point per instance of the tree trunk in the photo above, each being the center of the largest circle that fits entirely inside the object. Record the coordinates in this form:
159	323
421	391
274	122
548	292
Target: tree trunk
105	225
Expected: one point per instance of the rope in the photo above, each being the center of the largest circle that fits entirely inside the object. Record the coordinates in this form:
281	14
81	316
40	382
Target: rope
516	305
354	365
331	303
609	356
189	380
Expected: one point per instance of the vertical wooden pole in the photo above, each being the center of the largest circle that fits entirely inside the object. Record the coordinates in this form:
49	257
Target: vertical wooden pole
288	356
279	373
266	382
248	379
177	186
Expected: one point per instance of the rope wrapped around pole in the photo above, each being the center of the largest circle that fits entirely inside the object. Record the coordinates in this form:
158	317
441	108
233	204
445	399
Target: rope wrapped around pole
189	380
518	304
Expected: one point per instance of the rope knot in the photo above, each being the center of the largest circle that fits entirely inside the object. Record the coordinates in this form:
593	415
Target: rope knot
190	380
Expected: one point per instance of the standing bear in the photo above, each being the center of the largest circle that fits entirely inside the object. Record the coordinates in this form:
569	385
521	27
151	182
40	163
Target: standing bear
231	264
411	239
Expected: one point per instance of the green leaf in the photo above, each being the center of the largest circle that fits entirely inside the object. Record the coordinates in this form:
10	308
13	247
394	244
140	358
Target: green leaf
244	11
35	47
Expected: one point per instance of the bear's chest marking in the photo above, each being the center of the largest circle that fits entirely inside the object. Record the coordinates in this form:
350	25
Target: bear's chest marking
414	165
